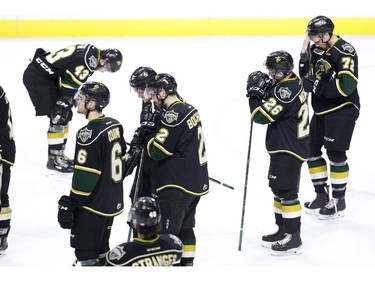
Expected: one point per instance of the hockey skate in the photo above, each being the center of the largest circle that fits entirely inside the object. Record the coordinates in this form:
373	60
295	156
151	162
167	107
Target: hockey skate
290	245
313	207
269	239
333	210
4	243
60	163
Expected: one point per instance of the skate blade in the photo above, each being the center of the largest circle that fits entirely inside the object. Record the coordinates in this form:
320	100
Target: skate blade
338	215
2	253
291	252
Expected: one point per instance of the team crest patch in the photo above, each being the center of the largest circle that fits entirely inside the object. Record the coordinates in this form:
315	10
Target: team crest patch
284	93
348	47
93	62
171	116
117	253
85	134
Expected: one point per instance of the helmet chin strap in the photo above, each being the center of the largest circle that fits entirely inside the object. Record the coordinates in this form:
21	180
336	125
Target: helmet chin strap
325	42
88	110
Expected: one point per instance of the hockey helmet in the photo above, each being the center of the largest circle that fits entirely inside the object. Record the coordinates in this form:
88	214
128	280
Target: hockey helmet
113	59
319	26
94	91
141	76
144	212
165	81
280	61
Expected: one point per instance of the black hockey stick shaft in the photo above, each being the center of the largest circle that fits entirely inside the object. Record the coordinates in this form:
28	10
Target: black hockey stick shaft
221	183
245	187
136	179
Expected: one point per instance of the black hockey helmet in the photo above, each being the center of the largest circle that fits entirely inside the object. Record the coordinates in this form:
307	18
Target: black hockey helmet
94	91
141	76
280	61
165	81
144	212
113	58
319	26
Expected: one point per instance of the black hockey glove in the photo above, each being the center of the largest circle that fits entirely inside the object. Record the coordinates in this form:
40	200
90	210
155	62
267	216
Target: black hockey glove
149	119
132	160
62	113
258	84
66	208
311	84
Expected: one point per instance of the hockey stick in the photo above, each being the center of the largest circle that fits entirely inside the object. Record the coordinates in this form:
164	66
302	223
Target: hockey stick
221	183
245	188
136	179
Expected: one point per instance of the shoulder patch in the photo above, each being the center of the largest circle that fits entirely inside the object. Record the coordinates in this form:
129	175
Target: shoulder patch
85	134
284	93
171	116
347	47
93	62
117	253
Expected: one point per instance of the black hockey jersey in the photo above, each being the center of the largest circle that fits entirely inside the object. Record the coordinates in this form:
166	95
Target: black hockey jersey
71	66
341	89
287	113
164	250
180	149
6	130
97	184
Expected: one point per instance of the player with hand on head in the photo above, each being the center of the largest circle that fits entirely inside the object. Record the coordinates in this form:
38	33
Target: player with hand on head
329	69
96	194
281	103
52	79
150	248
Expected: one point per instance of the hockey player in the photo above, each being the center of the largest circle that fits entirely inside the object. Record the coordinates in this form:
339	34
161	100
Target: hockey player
150	248
7	158
52	79
282	104
96	196
329	69
181	176
138	81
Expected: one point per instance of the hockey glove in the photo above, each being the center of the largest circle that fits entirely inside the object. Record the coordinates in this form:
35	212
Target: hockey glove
62	113
258	84
150	118
65	216
311	84
132	160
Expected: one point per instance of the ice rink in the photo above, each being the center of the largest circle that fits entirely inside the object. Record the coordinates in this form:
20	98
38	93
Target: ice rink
211	74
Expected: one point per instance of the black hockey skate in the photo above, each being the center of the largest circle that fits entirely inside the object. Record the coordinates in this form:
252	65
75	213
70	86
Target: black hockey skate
290	245
269	239
60	163
333	210
313	207
4	243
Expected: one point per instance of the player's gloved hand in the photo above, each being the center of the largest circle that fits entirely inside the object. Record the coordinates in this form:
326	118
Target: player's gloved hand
62	113
258	84
132	160
65	215
311	84
150	118
323	70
